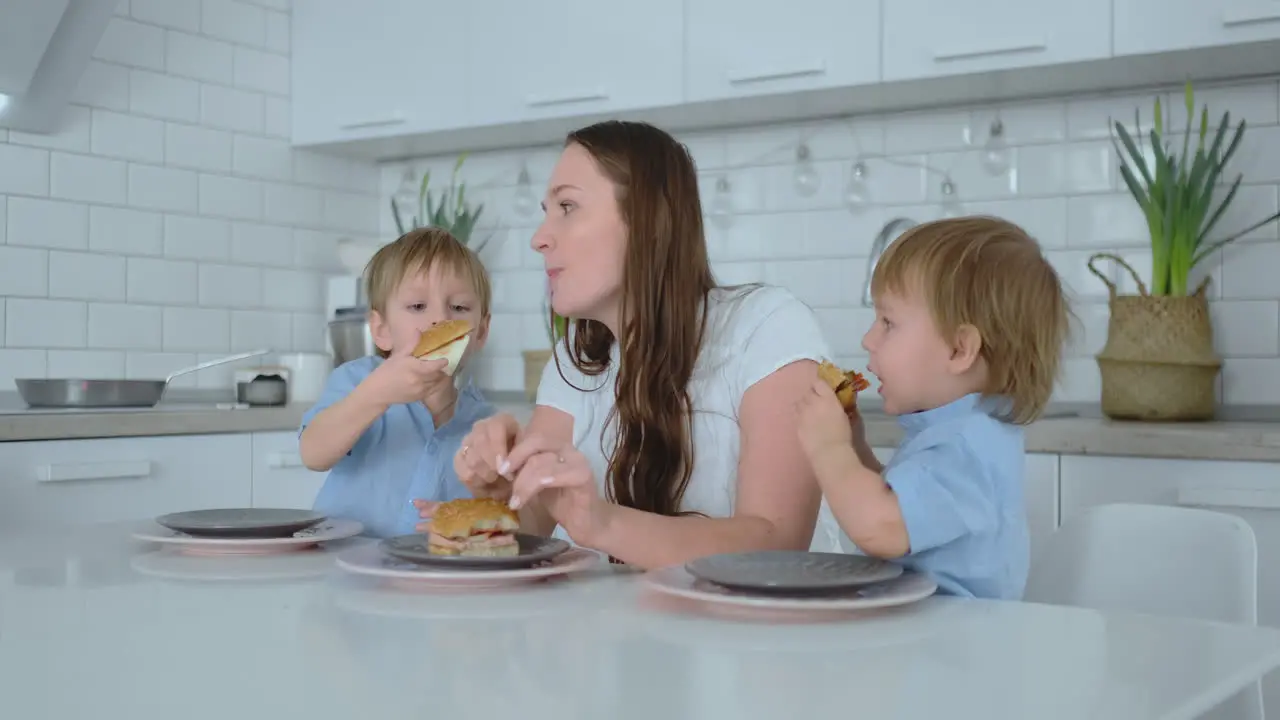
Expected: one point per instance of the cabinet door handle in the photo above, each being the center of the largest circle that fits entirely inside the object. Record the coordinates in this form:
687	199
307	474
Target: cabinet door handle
377	122
818	68
1218	497
586	96
1016	48
70	472
1251	13
284	460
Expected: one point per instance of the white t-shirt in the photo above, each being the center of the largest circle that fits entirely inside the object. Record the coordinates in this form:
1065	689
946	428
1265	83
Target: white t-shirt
751	332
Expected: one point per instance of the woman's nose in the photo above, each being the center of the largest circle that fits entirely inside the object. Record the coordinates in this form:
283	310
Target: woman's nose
541	240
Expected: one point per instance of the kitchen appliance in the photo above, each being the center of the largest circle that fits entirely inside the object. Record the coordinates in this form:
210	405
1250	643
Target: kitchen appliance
262	387
349	334
79	393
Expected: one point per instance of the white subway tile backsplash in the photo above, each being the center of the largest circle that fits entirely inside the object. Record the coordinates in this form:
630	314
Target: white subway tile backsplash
278	121
127	137
261	157
24	271
178	14
291	289
162	282
196	329
263	71
238	22
131	43
124	327
231	109
125	232
200	58
159	188
197	238
157	366
18	363
103	85
40	323
86	276
198	148
24	170
231	197
48	223
278	32
294	205
164	96
262	245
260	329
87	178
86	364
231	286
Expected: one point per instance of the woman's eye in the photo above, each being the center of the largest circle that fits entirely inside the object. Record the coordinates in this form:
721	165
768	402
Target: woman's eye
566	206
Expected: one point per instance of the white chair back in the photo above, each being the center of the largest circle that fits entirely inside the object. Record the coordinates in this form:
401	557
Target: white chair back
1156	559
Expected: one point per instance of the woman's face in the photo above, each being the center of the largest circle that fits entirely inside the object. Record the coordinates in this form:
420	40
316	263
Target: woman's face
582	239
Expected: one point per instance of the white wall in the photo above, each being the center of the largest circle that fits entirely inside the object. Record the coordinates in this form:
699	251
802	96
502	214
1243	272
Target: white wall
1064	188
168	220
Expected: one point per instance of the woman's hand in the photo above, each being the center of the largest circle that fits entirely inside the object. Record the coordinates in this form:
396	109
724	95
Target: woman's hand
481	462
561	480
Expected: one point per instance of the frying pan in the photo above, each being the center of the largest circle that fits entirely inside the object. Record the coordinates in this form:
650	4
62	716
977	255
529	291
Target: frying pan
77	393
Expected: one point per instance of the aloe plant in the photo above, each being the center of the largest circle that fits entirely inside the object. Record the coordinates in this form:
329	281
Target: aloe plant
1176	192
448	210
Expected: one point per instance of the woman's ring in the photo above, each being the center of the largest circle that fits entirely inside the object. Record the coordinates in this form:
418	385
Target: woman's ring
465	448
560	459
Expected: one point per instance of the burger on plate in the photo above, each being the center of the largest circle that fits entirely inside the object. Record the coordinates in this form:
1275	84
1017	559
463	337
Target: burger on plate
447	340
474	527
846	384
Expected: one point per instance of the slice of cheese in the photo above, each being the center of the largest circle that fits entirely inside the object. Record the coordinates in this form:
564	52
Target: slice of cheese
452	352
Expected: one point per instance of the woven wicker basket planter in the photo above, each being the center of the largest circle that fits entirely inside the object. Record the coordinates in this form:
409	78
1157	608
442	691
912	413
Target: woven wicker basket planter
534	362
1158	363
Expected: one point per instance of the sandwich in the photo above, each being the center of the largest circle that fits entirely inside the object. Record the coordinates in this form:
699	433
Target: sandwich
447	340
846	385
474	527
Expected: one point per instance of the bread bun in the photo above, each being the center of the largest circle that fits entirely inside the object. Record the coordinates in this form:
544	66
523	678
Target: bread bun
846	385
448	340
460	519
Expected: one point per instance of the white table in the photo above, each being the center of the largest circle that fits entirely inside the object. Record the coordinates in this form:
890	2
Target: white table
84	634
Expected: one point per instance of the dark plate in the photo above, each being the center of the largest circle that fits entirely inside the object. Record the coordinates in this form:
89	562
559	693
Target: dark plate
533	550
241	522
791	572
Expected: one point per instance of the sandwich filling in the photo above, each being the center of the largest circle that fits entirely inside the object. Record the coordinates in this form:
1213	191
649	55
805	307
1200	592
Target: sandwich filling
846	385
479	527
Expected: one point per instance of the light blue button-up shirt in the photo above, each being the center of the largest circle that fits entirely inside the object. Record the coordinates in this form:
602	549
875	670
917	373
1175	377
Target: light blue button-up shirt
402	456
959	475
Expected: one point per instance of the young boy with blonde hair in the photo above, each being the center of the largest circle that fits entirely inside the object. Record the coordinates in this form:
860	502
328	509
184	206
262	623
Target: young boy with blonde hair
387	426
970	325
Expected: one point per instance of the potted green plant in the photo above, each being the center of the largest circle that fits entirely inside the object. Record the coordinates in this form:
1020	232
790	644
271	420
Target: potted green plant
448	210
1158	362
536	360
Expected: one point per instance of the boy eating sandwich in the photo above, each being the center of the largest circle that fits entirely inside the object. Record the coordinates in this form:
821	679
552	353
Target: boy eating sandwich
387	426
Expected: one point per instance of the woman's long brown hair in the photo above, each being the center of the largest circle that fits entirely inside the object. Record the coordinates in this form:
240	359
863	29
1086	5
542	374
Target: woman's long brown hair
666	281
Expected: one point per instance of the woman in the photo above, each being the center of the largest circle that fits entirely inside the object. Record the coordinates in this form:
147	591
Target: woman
663	429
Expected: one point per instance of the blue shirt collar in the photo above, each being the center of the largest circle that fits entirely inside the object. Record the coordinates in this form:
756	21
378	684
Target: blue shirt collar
964	405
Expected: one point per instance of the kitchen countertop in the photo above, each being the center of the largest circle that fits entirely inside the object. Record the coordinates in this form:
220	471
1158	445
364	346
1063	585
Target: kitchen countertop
1240	433
100	626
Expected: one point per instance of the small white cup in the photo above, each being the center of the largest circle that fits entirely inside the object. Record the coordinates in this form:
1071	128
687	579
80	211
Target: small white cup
308	373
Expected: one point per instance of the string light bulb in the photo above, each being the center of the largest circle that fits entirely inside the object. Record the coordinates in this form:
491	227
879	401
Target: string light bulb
525	202
722	204
806	177
857	194
951	205
995	152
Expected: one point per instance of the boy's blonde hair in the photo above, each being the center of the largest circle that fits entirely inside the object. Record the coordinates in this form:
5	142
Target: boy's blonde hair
988	273
417	251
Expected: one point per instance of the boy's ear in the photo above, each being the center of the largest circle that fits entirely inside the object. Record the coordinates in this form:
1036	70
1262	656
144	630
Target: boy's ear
481	333
381	333
965	349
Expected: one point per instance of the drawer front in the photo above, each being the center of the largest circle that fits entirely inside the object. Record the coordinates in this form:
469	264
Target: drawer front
77	482
279	477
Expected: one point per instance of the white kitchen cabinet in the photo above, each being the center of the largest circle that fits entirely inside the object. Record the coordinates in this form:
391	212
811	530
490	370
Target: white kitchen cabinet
1151	26
1249	490
935	38
531	61
379	68
280	480
736	49
77	482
